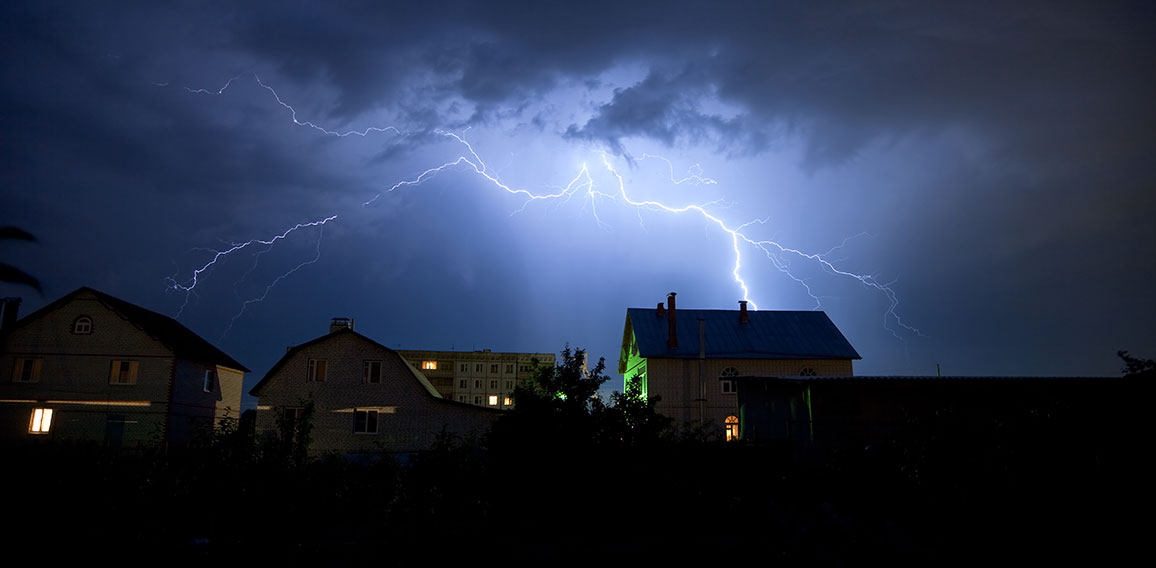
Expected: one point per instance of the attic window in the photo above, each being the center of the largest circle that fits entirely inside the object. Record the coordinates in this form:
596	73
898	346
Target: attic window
806	372
82	325
726	380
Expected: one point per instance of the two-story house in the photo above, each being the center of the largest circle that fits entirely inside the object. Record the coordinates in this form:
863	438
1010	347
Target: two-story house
365	398
690	359
93	367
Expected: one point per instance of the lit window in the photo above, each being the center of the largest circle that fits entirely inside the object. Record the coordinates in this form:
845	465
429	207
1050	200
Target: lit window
507	401
806	372
123	373
371	372
207	385
429	365
732	426
27	370
41	421
364	421
493	400
82	325
317	370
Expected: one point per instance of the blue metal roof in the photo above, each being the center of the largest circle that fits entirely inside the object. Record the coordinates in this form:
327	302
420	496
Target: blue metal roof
768	335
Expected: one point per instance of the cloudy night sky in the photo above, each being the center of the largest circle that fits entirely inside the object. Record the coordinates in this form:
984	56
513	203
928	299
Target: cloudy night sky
969	185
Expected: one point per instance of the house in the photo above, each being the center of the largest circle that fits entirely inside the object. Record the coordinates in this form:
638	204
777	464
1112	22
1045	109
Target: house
364	398
93	367
481	377
689	359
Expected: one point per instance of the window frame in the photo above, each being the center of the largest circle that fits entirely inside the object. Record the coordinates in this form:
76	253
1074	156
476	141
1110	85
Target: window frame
117	375
40	421
82	320
429	365
370	420
22	364
312	374
731	424
367	371
209	380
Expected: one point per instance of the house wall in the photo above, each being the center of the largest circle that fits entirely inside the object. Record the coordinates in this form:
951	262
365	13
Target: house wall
74	377
193	409
410	416
680	384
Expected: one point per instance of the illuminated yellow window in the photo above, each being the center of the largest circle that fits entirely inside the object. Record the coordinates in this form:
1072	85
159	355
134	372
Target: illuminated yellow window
493	400
732	426
41	421
507	401
429	365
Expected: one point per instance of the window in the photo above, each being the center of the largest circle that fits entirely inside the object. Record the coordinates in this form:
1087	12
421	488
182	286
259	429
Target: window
732	426
524	368
207	384
493	400
465	367
27	370
463	384
494	368
291	419
509	385
806	372
364	421
82	325
317	370
429	365
477	400
726	380
507	401
463	398
510	368
123	372
371	372
493	383
478	384
41	421
478	368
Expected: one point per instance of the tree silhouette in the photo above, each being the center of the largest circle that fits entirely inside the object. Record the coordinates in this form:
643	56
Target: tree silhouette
1136	366
10	274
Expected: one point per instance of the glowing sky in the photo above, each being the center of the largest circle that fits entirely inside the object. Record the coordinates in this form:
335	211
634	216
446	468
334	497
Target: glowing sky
991	164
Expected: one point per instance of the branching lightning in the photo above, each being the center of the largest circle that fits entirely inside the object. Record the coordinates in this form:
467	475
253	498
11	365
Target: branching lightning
581	183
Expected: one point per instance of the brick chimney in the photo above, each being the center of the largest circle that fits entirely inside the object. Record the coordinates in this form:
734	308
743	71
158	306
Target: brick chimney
9	311
660	311
339	324
744	317
672	336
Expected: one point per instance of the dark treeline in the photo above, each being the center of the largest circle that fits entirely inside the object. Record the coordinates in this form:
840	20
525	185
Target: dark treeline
565	477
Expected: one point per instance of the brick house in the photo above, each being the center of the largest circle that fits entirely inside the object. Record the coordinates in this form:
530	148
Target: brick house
93	367
366	398
691	358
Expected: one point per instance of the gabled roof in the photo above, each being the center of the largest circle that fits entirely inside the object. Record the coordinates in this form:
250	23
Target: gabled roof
768	335
183	341
420	378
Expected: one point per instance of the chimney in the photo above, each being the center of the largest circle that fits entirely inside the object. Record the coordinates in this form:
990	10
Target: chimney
744	317
9	311
339	324
660	311
672	336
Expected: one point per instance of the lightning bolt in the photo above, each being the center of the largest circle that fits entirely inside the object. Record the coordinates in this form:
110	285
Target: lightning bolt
581	183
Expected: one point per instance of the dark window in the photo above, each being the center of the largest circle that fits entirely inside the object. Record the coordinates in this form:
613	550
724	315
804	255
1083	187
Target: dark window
317	370
82	325
365	421
371	372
